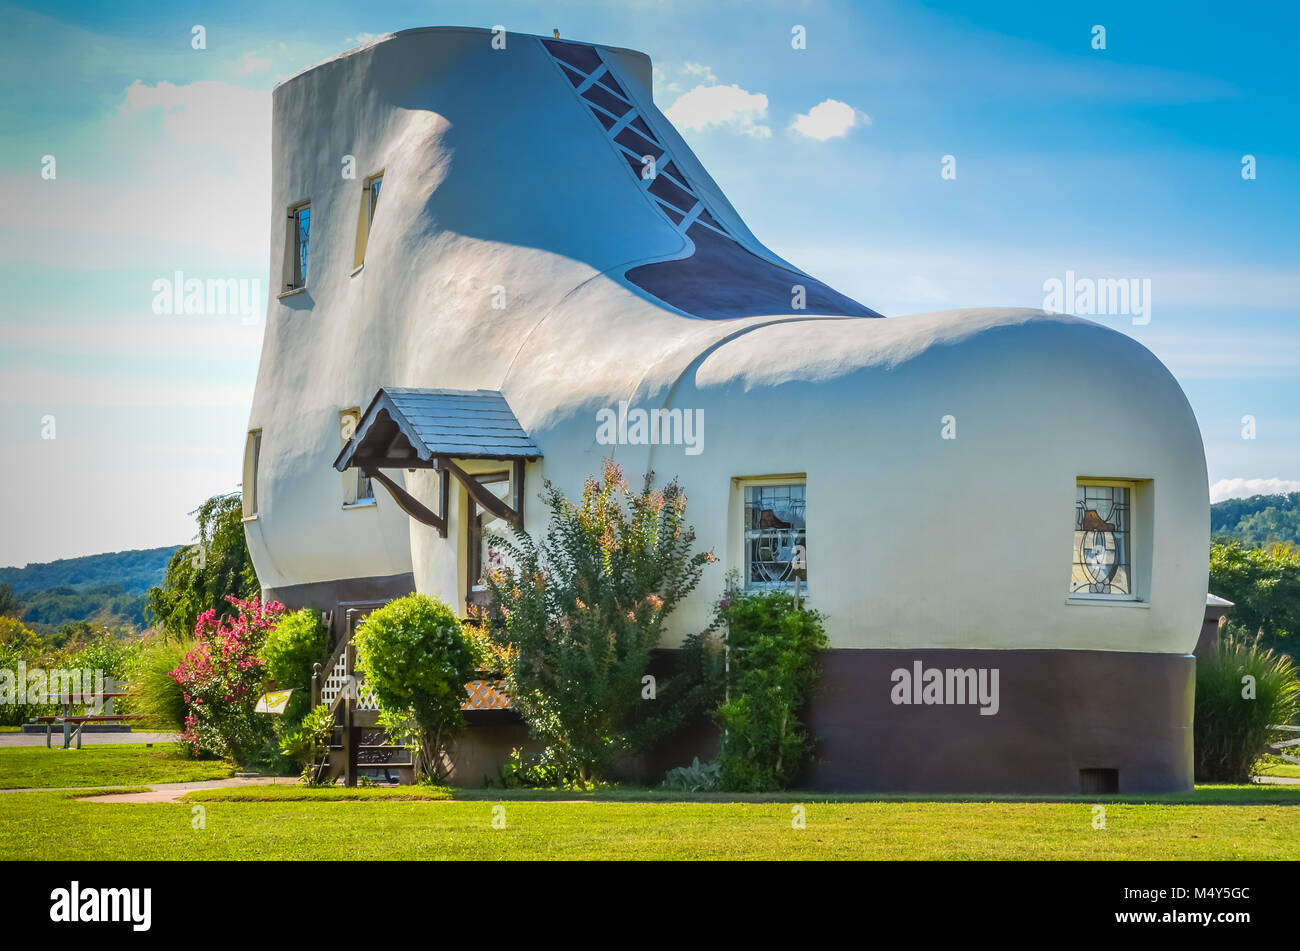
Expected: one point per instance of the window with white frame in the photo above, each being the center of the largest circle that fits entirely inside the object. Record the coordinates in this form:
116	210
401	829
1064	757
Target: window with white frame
252	458
775	536
369	202
358	489
297	245
1102	552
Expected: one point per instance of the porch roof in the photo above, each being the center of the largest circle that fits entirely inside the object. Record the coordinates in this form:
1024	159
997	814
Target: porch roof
406	427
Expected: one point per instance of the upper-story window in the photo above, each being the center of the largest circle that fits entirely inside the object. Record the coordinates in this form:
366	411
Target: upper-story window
369	201
1103	564
373	184
252	458
775	534
297	245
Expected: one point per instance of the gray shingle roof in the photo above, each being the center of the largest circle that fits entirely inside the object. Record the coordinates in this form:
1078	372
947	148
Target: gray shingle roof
459	423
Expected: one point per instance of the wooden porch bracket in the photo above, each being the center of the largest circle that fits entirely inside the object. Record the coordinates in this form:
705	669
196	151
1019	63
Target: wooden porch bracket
485	499
412	506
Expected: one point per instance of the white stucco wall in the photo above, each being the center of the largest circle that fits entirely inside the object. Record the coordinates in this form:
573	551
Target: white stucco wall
496	175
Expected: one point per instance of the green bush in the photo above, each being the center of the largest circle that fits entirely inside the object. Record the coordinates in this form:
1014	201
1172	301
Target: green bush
773	651
1243	691
698	777
584	607
533	773
306	744
154	692
293	647
418	661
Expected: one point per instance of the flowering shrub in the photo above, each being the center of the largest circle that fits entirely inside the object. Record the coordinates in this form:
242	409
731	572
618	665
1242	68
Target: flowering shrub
221	680
582	609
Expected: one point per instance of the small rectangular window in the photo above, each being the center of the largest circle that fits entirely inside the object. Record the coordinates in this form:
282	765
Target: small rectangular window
775	536
358	488
369	202
372	190
297	246
252	458
1102	554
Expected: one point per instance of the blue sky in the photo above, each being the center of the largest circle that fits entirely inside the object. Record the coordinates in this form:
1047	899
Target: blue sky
1115	163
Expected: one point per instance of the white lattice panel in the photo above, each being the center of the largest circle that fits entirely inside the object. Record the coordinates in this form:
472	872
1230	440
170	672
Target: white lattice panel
335	681
338	679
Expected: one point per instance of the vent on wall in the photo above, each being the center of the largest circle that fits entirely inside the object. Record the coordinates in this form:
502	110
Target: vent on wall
1098	781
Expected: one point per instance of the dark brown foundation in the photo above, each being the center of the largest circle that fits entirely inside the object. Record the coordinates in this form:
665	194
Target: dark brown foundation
1064	716
1069	722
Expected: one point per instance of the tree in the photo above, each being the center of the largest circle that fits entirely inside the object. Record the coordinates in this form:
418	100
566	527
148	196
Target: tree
418	661
10	606
1259	521
584	607
199	577
1264	586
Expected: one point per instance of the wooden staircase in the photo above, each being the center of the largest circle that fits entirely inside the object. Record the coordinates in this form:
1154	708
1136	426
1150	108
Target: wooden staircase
359	746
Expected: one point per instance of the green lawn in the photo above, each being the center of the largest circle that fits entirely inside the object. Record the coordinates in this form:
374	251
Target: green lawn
1276	766
327	829
115	764
288	821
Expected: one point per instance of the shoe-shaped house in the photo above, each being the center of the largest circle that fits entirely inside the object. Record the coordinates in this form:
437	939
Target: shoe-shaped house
501	264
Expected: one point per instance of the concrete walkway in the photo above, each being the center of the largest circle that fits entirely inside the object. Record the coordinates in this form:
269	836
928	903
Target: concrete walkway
160	792
172	792
87	739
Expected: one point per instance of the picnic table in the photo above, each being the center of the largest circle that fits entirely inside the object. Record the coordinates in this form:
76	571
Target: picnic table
73	724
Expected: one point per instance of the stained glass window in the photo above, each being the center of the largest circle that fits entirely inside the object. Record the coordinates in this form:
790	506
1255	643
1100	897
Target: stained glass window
775	535
1101	541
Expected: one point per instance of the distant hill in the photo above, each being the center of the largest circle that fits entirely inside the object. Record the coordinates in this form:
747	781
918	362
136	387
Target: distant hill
1258	520
50	608
135	571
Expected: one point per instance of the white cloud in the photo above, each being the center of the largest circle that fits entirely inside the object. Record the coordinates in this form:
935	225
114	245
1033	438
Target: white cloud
701	73
728	107
1245	488
830	119
252	63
